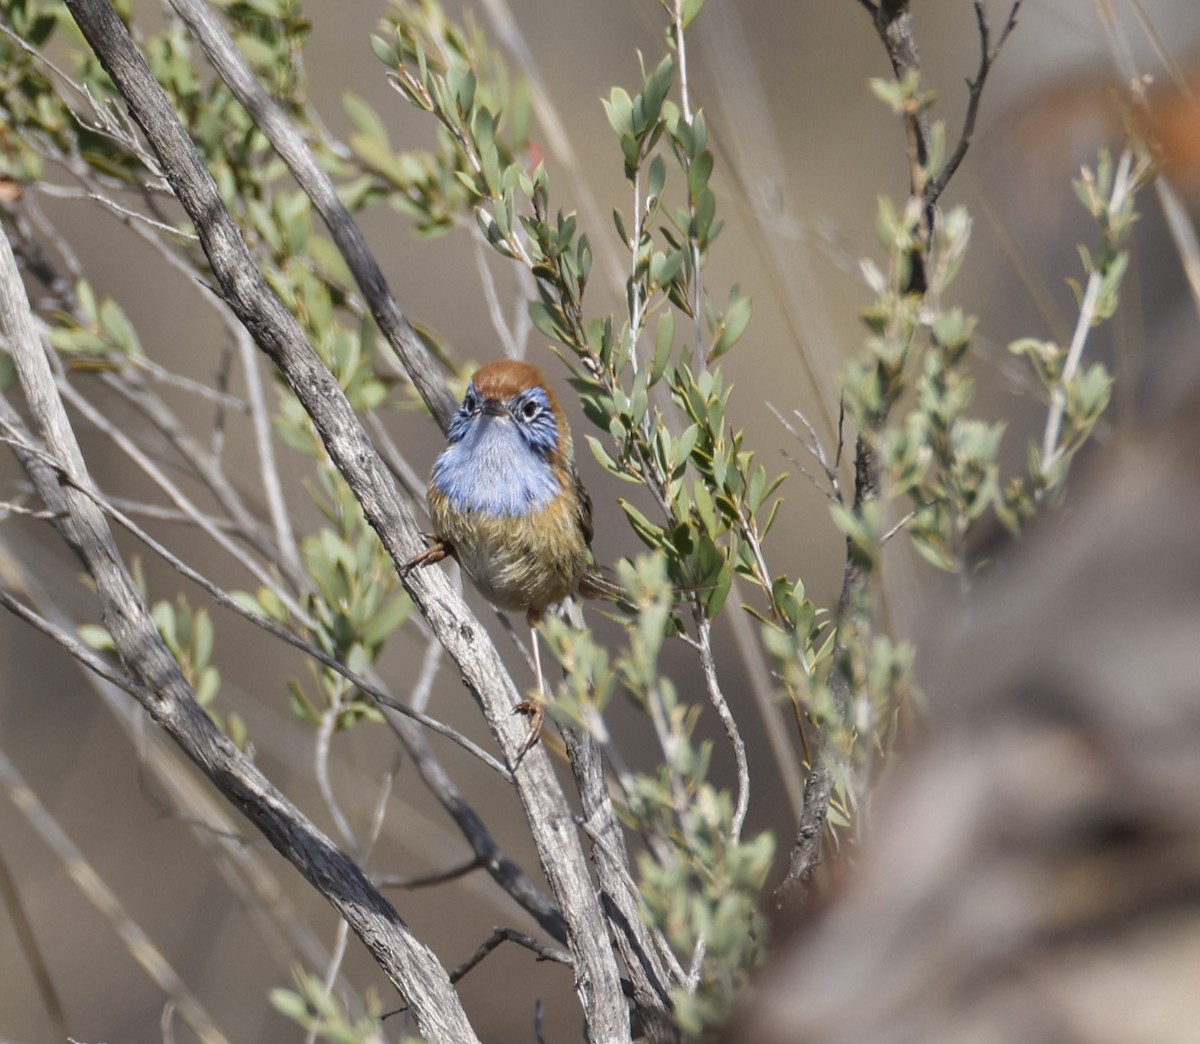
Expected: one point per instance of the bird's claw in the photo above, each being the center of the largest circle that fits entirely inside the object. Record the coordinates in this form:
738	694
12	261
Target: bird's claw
537	715
437	551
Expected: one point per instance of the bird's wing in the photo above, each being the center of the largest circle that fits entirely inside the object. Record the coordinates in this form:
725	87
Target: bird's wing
584	503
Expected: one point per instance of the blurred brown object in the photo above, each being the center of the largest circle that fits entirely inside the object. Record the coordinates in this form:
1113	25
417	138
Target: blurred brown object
1037	146
1174	129
1034	871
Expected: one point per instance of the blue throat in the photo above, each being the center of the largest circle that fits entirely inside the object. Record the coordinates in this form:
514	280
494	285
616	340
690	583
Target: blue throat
493	469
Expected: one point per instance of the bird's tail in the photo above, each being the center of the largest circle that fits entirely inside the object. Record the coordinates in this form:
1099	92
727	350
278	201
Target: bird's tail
599	583
596	584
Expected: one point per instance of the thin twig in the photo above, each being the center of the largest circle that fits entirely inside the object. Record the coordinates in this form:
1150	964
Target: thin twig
341	935
554	135
427	880
421	692
897	527
268	466
404	473
33	954
140	946
539	1013
225	57
166	693
717	699
321	745
376	827
815	448
62	192
1051	450
188	798
7	507
768	708
160	373
988	53
495	312
751	150
181	500
207	469
685	107
502	935
25	222
225	600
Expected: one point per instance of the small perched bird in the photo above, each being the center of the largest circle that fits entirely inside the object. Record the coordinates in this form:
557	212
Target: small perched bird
506	502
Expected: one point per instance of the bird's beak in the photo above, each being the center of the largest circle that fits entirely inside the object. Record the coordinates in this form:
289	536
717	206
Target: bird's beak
493	408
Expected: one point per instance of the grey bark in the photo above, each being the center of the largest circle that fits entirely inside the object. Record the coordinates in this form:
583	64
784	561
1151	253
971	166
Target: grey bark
280	336
170	701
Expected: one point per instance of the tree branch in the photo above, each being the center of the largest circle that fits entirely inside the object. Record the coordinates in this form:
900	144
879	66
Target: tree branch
500	935
249	873
27	940
893	22
987	57
139	944
279	335
818	787
631	935
170	701
222	52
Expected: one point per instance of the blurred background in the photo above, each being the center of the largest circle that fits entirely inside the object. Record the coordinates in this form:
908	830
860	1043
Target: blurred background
803	151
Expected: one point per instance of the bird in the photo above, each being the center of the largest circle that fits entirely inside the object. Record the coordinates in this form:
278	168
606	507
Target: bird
506	502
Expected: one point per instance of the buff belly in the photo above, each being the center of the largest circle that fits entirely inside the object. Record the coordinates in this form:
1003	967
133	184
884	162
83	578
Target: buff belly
525	562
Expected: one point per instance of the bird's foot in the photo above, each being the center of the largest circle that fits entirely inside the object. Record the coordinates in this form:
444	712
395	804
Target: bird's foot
437	551
537	715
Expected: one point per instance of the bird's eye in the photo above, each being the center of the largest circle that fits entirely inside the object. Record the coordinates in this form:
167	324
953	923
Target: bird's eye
469	401
530	409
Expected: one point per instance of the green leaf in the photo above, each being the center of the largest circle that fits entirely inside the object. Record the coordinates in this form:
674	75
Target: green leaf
718	594
658	83
701	224
117	328
163	614
87	300
684	445
657	179
651	535
619	110
733	325
384	51
606	460
202	638
98	637
546	321
619	221
698	173
386	621
664	340
665	266
207	686
365	119
291	1005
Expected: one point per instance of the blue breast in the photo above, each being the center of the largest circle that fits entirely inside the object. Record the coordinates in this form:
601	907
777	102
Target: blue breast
494	470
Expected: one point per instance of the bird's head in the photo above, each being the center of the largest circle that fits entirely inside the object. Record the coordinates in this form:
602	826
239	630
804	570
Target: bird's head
514	393
509	449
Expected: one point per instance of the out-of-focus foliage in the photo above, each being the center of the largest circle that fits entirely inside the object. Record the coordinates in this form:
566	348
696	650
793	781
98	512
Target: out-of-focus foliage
649	380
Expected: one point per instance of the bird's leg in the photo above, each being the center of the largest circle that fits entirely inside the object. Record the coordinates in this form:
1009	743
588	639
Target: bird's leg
437	550
536	709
